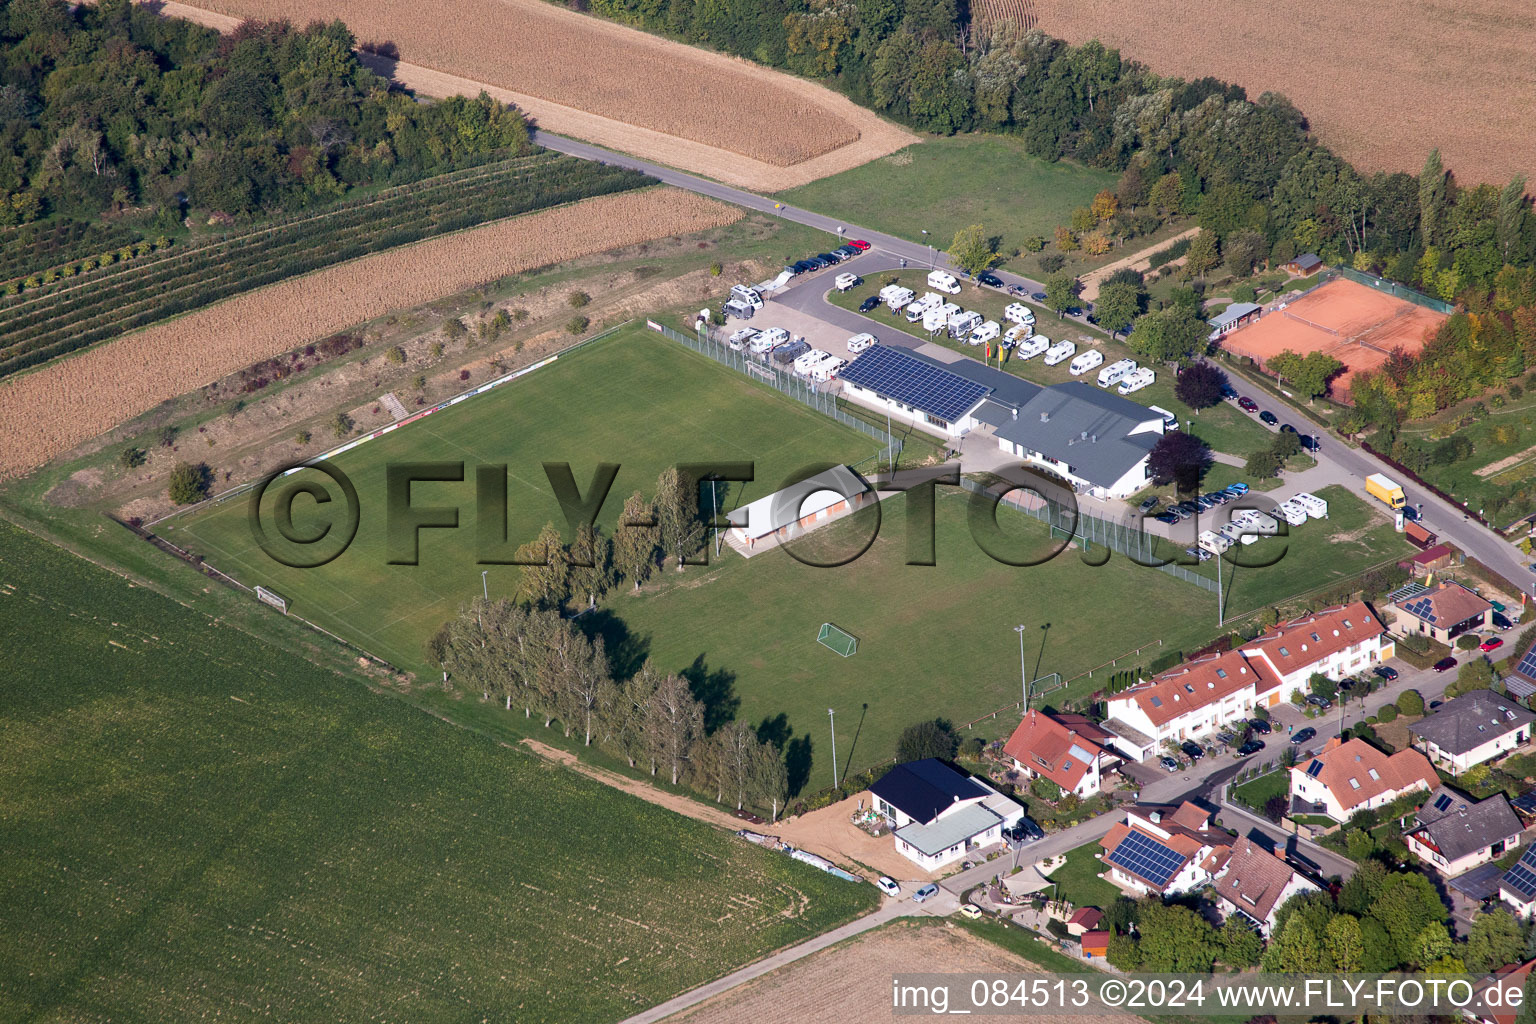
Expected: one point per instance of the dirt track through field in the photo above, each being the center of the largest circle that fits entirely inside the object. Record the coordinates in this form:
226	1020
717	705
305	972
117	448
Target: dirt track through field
53	409
1381	81
635	787
729	119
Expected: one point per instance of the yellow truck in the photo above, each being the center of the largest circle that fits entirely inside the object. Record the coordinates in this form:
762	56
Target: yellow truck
1385	491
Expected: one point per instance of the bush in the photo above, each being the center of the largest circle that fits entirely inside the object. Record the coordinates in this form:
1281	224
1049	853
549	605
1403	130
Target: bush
341	424
1388	713
395	356
576	324
168	436
130	457
972	747
302	438
437	349
189	483
1045	789
1034	243
715	270
1467	641
1515	390
454	328
1410	702
1051	262
933	738
576	300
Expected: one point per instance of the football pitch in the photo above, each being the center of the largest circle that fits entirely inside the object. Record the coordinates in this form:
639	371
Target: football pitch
635	399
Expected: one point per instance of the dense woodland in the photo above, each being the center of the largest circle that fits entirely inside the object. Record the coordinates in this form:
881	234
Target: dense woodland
113	112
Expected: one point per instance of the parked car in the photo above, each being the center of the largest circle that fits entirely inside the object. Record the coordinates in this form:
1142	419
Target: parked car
1268	418
1304	735
1238	488
1228	392
970	910
1445	664
1247	404
1029	829
1286	428
1169	764
1435	703
1151	503
860	244
1310	443
1167	517
925	892
847	252
869	304
989	279
1318	700
1038	296
1493	643
1251	747
1500	622
888	886
1386	672
1018	290
1259	726
1192	750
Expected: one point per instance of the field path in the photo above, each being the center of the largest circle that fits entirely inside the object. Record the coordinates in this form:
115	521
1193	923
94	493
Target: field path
1138	260
637	787
48	411
727	118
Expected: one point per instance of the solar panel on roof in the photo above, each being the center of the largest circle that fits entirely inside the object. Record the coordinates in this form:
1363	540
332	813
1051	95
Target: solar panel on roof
1527	666
1314	768
1442	803
1146	857
1522	877
899	376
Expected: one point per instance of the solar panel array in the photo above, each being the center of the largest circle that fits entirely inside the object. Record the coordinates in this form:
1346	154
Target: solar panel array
907	379
1147	857
1527	666
1442	802
1522	877
1423	607
1406	591
1314	768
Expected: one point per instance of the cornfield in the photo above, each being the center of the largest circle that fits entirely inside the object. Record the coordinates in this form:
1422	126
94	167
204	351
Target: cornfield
541	50
51	410
986	13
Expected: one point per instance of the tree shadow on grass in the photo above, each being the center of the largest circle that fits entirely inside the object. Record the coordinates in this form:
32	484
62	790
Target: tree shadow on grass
777	732
626	650
716	690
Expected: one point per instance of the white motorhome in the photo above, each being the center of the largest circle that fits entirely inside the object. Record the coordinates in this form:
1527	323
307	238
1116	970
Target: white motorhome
827	369
1213	542
1059	353
1116	372
1290	512
896	297
935	319
1031	347
1234	532
1017	333
740	337
805	360
749	295
769	339
986	333
1169	419
1316	507
946	283
1136	381
1085	362
963	323
859	342
1018	313
844	281
1256	524
916	309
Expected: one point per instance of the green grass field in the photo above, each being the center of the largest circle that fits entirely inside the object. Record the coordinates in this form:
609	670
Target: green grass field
1257	793
1079	879
196	824
635	398
945	184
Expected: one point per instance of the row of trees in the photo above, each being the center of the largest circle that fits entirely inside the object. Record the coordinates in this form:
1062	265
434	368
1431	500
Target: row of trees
542	662
110	108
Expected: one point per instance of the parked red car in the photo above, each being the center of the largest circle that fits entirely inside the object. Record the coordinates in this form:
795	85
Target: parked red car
859	244
1493	643
1445	664
1248	404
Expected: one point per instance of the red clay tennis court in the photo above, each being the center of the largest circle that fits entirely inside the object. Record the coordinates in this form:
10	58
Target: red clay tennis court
1356	324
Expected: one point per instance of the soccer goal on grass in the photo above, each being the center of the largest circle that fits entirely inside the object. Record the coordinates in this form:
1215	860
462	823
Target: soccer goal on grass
837	640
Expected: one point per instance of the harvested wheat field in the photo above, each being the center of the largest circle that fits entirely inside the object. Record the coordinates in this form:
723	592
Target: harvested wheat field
987	13
50	411
1381	81
605	83
851	983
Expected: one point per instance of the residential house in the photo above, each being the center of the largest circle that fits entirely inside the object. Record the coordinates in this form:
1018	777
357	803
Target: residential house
1504	1009
1164	850
1517	887
1456	833
1084	919
1336	642
1475	727
1306	263
1192	699
1066	749
938	814
1255	884
1443	612
1351	776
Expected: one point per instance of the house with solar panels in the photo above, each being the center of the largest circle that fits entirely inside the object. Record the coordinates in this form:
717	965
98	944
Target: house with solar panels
1096	441
1255	884
1162	850
1472	729
1456	833
938	814
1351	776
1521	682
1067	749
1443	612
1518	886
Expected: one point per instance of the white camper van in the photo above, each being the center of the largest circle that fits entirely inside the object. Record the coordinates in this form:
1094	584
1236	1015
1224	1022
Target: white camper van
844	281
805	360
1316	507
1032	346
1059	353
749	295
935	319
896	297
916	309
1136	381
1213	542
827	369
1085	362
946	283
859	342
1291	512
1018	313
769	339
962	324
986	333
1116	372
1016	334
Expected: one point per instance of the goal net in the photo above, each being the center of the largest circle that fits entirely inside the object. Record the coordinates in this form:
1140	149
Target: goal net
837	640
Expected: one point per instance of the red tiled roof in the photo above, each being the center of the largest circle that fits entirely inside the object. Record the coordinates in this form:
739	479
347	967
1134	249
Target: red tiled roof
1432	554
1184	839
1508	975
1347	768
1254	879
1095	941
1087	917
1312	638
1449	603
1195	684
1048	746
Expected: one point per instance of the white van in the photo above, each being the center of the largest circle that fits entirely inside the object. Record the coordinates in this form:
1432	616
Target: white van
743	293
769	339
859	342
1031	347
1018	313
935	319
1116	372
844	281
1085	362
1016	334
896	297
1316	507
1169	419
740	337
962	324
915	310
805	360
946	283
1136	381
1290	512
986	333
738	309
1059	353
827	369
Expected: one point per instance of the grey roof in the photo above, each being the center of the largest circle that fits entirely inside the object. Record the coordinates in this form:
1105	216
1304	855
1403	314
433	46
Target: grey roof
1471	720
1233	313
993	414
1085	428
948	831
1457	825
1308	260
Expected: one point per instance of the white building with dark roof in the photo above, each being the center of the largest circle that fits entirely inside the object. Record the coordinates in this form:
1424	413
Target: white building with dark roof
1455	833
939	814
1475	727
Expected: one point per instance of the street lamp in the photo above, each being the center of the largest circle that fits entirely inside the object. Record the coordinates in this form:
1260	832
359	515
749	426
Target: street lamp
1023	672
832	721
485	588
930	250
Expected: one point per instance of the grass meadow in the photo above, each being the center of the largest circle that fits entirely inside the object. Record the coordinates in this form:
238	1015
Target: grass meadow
196	824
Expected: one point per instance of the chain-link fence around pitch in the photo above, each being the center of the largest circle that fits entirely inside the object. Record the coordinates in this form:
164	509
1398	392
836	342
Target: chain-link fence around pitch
1392	288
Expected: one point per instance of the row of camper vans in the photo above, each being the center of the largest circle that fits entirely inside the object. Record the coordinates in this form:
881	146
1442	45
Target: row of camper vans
1249	525
743	303
819	366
